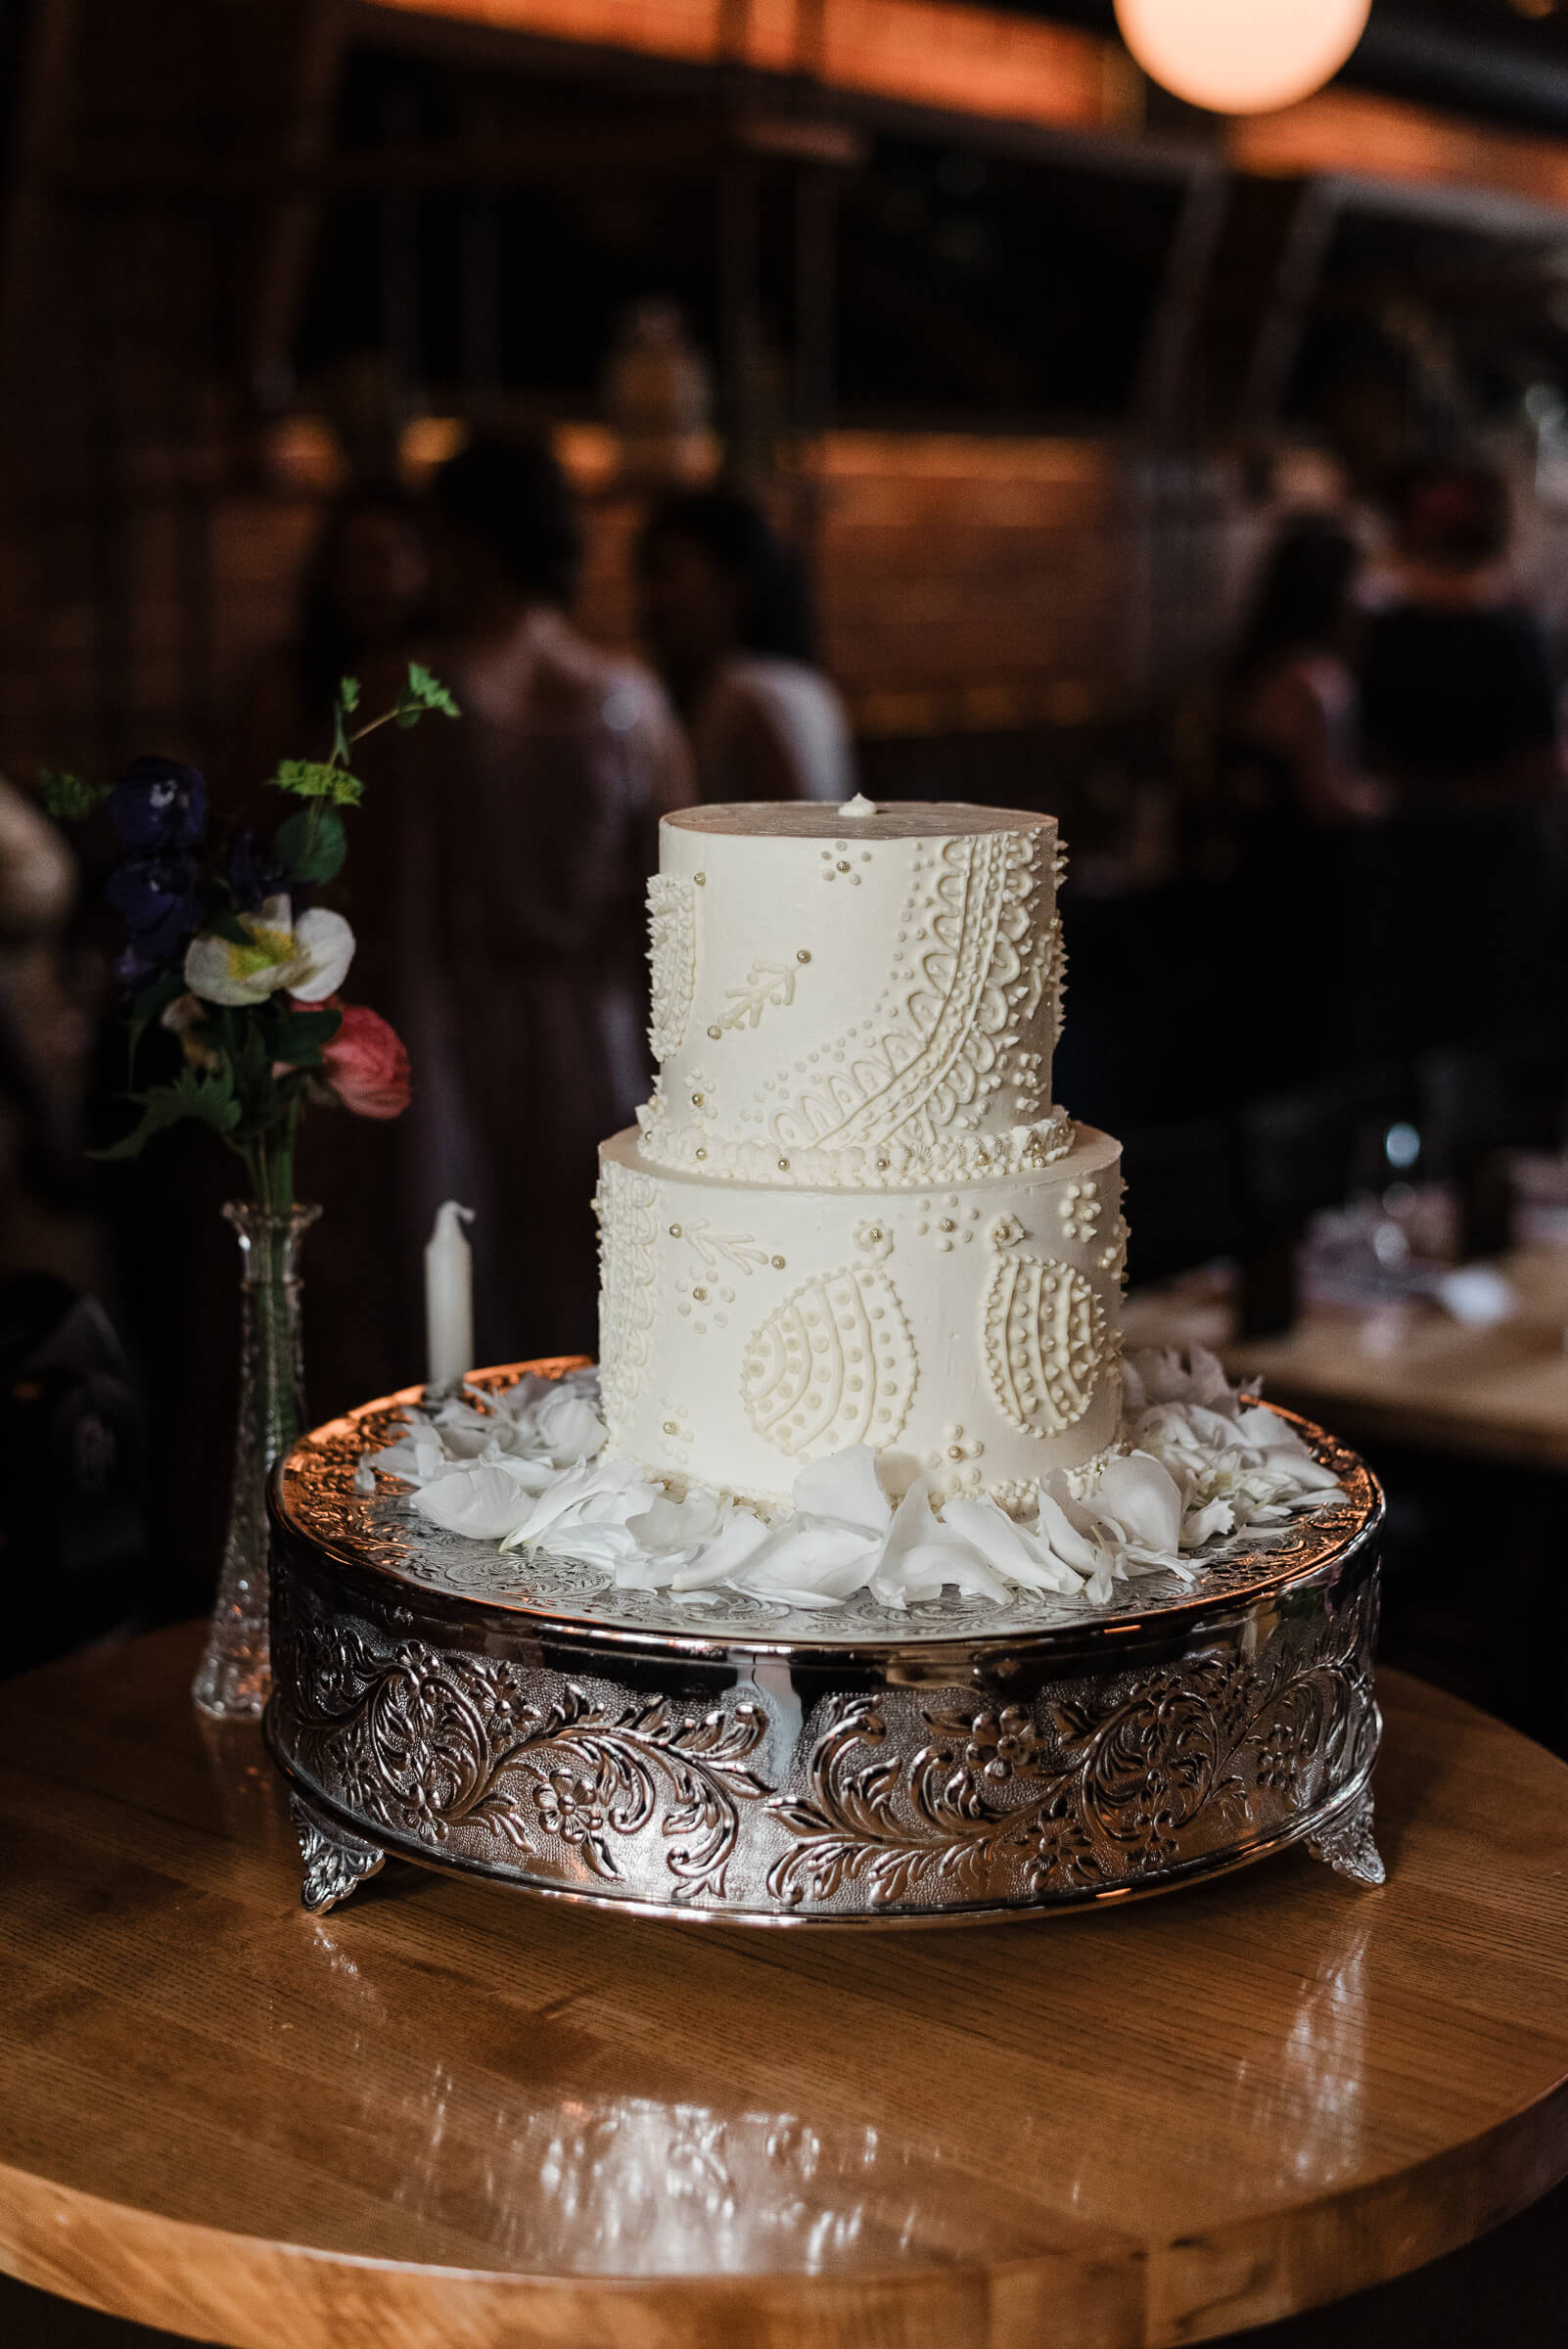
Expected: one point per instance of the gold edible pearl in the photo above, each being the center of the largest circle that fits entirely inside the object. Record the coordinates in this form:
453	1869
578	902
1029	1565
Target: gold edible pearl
946	1225
783	1166
670	1427
701	880
716	1033
674	1231
844	864
801	955
701	1296
778	1264
696	1100
699	1154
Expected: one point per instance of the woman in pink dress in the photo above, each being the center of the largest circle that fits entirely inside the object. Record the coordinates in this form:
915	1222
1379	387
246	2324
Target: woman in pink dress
525	835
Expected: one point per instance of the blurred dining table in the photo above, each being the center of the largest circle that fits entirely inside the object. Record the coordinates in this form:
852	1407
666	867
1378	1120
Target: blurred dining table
1405	1371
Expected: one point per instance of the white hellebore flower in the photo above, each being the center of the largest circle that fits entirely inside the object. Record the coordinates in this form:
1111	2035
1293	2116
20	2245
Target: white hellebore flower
308	958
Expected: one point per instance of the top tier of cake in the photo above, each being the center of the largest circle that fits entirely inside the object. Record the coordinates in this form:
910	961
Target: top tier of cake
855	996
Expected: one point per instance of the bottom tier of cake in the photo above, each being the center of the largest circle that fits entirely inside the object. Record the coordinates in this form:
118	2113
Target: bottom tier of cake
971	1332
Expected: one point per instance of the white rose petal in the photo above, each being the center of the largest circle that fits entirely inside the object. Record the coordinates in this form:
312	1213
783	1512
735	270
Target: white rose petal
738	1540
678	1524
1142	1499
569	1428
811	1563
1016	1555
845	1487
526	1468
482	1502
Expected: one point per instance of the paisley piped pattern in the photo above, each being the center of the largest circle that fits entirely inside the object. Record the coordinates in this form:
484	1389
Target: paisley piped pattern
833	1366
1045	1341
971	975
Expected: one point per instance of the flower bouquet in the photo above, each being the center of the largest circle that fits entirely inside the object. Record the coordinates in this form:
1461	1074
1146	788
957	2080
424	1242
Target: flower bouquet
231	971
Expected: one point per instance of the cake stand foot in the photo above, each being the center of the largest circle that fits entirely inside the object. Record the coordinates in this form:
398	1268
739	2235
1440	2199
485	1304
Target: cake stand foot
1347	1847
336	1862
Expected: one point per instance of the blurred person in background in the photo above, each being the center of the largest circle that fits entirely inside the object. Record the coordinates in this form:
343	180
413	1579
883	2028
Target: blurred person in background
361	608
724	614
70	1529
513	928
45	1041
1295	786
1459	718
364	599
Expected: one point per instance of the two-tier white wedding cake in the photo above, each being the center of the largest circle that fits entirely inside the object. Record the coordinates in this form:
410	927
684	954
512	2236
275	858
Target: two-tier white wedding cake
860	1326
852	1213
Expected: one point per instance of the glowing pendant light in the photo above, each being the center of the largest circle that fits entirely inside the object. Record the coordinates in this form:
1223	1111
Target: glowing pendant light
1241	57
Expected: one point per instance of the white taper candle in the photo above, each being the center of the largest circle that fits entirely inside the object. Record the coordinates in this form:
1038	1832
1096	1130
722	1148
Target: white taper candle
449	1297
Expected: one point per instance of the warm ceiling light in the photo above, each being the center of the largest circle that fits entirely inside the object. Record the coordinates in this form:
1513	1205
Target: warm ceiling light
1241	57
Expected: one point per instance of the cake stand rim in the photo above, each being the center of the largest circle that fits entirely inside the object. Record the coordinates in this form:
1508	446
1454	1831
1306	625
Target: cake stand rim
1178	1620
1202	1867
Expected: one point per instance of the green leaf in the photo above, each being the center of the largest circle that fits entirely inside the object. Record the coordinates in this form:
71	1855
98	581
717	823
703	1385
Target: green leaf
422	692
145	1009
247	1034
225	924
155	996
312	844
70	797
300	1037
317	779
208	1098
348	700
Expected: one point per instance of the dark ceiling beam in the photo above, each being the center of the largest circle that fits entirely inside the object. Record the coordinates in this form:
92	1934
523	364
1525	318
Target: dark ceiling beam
673	142
1135	151
286	239
1489	79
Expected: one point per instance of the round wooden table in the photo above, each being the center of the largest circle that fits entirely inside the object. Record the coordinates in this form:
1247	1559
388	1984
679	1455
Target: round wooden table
452	2114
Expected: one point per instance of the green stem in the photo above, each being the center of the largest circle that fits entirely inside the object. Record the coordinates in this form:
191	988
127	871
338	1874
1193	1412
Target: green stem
359	733
270	1161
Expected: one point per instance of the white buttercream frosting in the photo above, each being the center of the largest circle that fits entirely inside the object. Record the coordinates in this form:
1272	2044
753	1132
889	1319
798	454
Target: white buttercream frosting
971	1331
850	1217
529	1469
859	999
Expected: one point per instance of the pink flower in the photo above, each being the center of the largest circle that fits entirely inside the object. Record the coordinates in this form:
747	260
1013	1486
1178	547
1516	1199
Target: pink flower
366	1065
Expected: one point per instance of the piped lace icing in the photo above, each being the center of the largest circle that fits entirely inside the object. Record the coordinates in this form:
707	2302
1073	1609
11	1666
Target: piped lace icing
629	1272
911	1093
671	960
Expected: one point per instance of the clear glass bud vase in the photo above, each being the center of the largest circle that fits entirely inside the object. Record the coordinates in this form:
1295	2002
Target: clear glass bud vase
236	1673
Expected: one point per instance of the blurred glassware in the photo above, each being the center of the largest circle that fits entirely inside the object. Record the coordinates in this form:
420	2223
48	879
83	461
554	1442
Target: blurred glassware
1538	1190
303	457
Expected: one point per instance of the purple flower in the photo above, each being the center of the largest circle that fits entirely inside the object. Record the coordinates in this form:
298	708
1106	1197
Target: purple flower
157	805
161	900
254	873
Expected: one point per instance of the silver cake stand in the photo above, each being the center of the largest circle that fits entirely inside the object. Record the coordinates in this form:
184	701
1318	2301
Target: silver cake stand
527	1722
